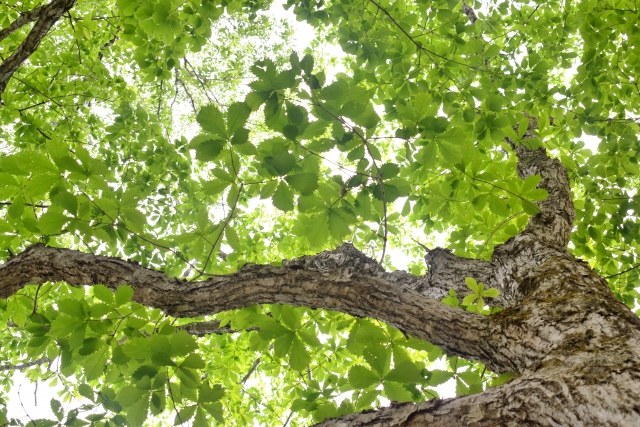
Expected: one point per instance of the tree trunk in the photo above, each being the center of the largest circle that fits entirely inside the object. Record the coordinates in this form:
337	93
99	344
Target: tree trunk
575	349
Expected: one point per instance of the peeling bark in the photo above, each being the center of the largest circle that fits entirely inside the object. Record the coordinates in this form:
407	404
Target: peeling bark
46	17
574	347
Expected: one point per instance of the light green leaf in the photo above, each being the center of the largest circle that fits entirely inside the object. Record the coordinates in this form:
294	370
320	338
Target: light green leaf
361	377
299	357
303	183
283	197
404	372
491	293
182	344
124	293
210	119
495	103
237	116
63	325
396	392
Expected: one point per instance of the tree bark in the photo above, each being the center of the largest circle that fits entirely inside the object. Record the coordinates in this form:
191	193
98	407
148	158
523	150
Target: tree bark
46	17
575	349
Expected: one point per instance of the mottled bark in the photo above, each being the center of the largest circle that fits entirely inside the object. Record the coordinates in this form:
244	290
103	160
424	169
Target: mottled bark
574	347
21	21
201	329
46	17
342	280
25	365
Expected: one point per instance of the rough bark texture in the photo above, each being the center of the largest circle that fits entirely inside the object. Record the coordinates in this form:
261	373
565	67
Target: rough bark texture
21	21
46	17
574	347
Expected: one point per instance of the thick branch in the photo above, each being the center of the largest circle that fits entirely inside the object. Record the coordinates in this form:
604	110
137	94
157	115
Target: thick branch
343	280
554	222
448	271
556	396
21	21
47	17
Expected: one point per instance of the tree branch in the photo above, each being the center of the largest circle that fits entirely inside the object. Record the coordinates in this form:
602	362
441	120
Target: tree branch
201	329
343	280
47	17
555	221
21	21
448	271
23	366
471	14
552	397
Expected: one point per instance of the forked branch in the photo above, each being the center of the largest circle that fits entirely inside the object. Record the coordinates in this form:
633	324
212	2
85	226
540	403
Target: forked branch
47	16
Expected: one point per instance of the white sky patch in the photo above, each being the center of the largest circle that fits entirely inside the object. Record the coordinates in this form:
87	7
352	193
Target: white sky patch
25	400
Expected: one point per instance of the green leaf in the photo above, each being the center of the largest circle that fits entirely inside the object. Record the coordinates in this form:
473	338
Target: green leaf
472	284
210	394
123	295
299	357
129	395
303	183
184	415
208	149
52	222
439	377
530	208
193	361
389	170
210	119
63	325
290	317
71	307
491	293
495	103
201	419
361	377
279	164
103	293
56	408
378	357
237	116
136	220
215	409
283	198
282	344
469	299
240	137
182	344
404	372
396	392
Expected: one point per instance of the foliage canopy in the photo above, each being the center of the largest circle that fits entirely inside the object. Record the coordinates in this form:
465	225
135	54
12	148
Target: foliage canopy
187	137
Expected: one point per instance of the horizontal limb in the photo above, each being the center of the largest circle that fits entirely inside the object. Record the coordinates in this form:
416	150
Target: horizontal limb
343	280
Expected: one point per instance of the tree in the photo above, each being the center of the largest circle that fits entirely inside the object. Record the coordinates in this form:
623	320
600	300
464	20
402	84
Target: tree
143	268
